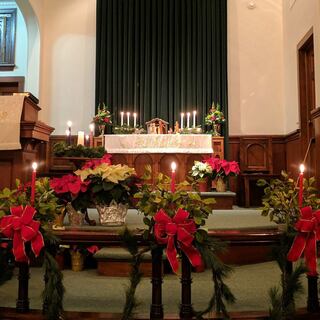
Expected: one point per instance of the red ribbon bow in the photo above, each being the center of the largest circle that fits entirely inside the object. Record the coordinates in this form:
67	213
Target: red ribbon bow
308	227
166	229
21	227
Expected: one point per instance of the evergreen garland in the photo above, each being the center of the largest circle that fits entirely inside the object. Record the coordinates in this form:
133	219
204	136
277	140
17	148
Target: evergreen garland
221	293
283	301
135	275
53	292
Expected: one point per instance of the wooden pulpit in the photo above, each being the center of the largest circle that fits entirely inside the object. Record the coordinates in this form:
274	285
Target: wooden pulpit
34	138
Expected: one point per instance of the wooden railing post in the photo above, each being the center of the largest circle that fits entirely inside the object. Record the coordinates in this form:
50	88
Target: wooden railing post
313	300
156	309
186	311
23	289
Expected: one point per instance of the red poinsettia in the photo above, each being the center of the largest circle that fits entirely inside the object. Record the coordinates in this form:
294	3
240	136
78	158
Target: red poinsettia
69	184
223	168
91	164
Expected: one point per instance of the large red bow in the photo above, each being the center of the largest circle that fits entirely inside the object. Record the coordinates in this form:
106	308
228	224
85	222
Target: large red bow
167	228
306	239
21	227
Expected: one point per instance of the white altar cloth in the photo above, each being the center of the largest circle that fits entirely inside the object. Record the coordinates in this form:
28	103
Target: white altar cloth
158	143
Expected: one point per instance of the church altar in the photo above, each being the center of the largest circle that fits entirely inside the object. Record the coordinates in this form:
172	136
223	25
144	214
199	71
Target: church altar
159	151
159	143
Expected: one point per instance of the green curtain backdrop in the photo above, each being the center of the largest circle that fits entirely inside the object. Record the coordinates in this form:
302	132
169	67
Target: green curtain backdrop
161	57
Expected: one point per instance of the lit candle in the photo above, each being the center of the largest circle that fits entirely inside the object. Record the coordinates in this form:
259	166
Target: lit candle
121	116
33	183
91	127
188	120
87	140
134	120
128	119
69	124
301	185
194	119
182	117
80	138
67	137
173	176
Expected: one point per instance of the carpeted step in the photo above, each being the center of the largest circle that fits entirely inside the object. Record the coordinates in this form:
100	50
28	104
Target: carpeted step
115	262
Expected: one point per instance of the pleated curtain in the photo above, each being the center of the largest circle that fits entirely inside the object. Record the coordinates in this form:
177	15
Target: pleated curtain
161	57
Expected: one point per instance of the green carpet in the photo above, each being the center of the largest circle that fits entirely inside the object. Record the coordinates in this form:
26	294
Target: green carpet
86	291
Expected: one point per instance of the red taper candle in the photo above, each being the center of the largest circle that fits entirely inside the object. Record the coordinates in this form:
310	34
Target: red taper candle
33	182
300	198
173	176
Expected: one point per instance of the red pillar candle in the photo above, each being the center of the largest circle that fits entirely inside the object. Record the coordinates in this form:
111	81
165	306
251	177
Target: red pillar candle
91	135
300	198
173	177
33	183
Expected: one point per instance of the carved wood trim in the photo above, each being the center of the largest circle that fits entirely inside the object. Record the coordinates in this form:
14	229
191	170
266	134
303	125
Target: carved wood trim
294	135
315	113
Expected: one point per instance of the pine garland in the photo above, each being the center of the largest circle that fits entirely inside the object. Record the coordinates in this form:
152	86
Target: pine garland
53	292
283	301
221	293
135	274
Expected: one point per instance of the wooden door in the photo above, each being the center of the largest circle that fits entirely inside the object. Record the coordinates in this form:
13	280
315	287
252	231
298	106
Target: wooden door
307	104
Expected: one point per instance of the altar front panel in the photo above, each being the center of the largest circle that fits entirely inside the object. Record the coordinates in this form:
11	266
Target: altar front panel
159	143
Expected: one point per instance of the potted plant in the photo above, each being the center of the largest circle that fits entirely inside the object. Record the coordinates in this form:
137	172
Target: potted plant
281	204
111	189
214	119
221	169
201	173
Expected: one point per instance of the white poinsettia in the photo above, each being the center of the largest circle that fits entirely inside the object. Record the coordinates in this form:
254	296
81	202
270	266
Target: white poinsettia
201	170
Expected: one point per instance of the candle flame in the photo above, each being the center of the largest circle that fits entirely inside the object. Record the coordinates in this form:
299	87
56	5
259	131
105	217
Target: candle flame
173	166
134	114
302	168
87	137
67	132
194	112
34	166
188	114
128	113
122	113
69	123
91	127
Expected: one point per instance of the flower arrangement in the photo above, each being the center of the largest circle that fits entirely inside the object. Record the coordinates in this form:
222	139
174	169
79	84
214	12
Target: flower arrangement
201	170
215	115
103	117
215	118
222	168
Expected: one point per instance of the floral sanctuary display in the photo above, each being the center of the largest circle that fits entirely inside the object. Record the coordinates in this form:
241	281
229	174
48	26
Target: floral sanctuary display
29	228
301	229
102	118
215	118
98	184
61	149
176	223
222	168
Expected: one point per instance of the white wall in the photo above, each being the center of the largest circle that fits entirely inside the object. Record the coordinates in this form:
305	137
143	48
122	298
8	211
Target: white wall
255	67
67	86
299	17
20	69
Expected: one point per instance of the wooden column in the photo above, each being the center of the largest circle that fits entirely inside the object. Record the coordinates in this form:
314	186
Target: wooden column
22	305
186	311
156	309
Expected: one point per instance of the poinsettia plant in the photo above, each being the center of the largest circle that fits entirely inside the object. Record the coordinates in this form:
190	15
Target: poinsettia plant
201	170
110	182
222	168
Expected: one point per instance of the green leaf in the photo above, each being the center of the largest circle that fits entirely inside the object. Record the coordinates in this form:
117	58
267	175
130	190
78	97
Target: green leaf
194	196
96	188
147	221
107	186
209	201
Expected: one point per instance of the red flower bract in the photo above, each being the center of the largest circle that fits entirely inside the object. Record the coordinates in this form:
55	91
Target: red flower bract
223	167
69	183
91	164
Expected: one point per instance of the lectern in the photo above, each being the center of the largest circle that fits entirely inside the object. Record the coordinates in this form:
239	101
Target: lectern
34	138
